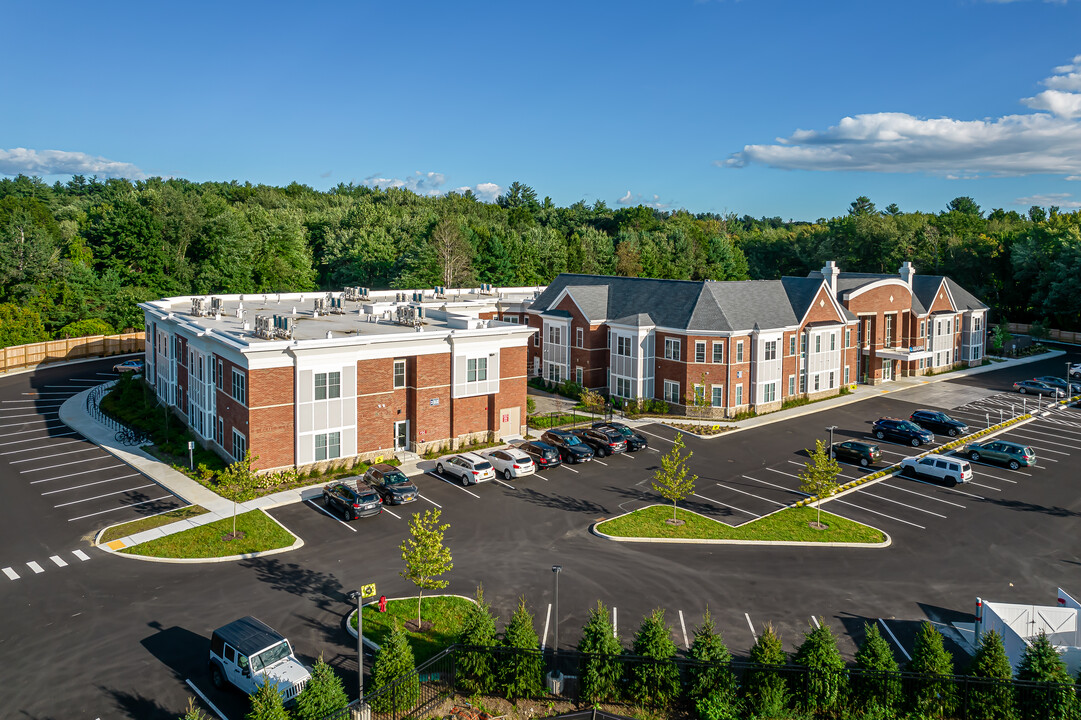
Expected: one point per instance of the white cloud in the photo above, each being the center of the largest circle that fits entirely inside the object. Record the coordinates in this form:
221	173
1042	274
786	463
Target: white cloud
431	184
654	202
1023	144
59	162
1046	199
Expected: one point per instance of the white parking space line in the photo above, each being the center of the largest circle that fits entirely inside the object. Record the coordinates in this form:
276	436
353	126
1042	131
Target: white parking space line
57	559
898	502
84	472
35	567
989	487
66	442
46	394
84	380
392	513
99	497
569	468
453	485
122	507
741	492
889	452
36	430
433	502
599	462
779	487
895	640
330	514
815	621
205	700
505	484
98	482
67	464
996	477
1056	428
615	625
12	417
653	450
923	495
661	437
46	457
753	633
1043	449
860	507
12	575
731	507
683	625
547	618
81	555
37	404
629	456
1047	442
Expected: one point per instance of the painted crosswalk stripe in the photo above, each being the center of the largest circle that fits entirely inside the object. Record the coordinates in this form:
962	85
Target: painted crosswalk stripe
59	562
12	575
35	567
80	554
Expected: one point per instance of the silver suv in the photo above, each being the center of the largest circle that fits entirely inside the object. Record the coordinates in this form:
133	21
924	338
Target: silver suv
248	653
940	468
469	468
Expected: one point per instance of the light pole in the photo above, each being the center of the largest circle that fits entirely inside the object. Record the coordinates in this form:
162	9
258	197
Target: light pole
831	428
357	596
1067	379
556	677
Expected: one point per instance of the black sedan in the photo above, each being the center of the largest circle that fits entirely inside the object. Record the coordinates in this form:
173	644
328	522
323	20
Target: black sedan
570	448
391	483
857	452
938	422
544	455
634	440
352	501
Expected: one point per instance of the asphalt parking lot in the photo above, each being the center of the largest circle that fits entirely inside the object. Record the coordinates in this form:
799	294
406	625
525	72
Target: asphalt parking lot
65	486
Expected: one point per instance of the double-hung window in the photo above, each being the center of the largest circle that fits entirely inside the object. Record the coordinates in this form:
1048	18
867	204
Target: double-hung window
739	352
848	337
328	446
792	344
833	341
791	385
770	352
399	373
623	346
718	395
240	387
328	385
739	394
718	352
476	370
240	445
671	392
699	351
671	348
579	337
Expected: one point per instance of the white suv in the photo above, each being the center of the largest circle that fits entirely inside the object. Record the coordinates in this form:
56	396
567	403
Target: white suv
247	653
941	468
469	468
511	462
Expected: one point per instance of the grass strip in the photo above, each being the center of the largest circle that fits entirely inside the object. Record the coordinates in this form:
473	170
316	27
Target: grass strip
549	421
149	523
445	613
260	533
790	524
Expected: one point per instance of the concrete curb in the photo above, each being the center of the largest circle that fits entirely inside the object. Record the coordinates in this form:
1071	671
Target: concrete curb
776	543
108	547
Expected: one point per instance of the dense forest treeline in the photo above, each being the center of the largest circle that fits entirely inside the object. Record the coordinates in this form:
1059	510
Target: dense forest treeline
76	257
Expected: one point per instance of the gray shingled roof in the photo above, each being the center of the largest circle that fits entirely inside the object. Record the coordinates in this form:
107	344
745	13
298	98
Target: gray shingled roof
704	305
924	288
637	320
964	299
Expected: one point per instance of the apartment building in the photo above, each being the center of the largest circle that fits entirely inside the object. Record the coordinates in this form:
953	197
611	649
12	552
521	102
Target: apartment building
305	378
737	346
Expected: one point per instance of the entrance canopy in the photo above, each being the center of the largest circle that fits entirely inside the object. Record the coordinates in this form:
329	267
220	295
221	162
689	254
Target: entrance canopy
916	352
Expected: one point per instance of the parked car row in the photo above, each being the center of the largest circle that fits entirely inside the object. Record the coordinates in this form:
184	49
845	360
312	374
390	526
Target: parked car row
1054	387
365	495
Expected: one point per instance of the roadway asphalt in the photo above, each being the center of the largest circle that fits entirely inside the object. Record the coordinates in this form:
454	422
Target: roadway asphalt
115	637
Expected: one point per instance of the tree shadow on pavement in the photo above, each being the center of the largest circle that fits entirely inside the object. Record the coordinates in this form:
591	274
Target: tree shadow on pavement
1022	506
702	507
322	589
555	501
134	705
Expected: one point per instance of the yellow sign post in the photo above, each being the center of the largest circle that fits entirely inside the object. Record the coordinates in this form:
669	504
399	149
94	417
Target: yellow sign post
367	591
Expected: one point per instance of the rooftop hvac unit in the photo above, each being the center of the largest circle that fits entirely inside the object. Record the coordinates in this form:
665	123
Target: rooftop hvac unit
200	307
263	327
283	326
216	306
418	296
335	306
320	306
440	292
353	294
409	315
485	288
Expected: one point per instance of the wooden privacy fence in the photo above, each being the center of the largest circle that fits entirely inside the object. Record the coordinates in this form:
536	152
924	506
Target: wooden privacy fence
1066	336
20	357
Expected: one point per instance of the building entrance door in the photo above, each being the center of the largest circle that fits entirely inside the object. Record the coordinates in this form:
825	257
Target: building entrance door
401	435
887	369
510	422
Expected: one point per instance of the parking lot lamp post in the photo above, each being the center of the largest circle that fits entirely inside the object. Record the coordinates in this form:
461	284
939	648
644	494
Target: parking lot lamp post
1067	379
356	595
987	417
556	675
831	428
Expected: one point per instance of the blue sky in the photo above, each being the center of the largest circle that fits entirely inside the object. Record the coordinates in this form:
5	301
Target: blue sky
764	107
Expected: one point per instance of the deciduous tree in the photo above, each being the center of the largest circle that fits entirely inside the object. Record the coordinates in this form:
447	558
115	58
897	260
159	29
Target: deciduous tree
819	476
670	480
426	558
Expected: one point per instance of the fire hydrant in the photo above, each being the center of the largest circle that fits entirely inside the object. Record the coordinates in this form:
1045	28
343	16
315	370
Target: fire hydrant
382	603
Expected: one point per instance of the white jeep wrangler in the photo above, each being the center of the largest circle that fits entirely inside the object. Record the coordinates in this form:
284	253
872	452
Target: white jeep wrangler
248	653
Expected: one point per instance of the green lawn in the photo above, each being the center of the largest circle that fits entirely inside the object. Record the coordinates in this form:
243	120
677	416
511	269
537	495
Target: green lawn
261	533
446	613
790	525
137	526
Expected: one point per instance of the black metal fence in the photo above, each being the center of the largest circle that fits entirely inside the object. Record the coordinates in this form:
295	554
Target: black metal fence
850	693
124	434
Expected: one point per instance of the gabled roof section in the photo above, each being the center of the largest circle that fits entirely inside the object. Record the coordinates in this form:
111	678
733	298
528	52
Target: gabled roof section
592	300
801	292
964	299
746	302
637	320
924	288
